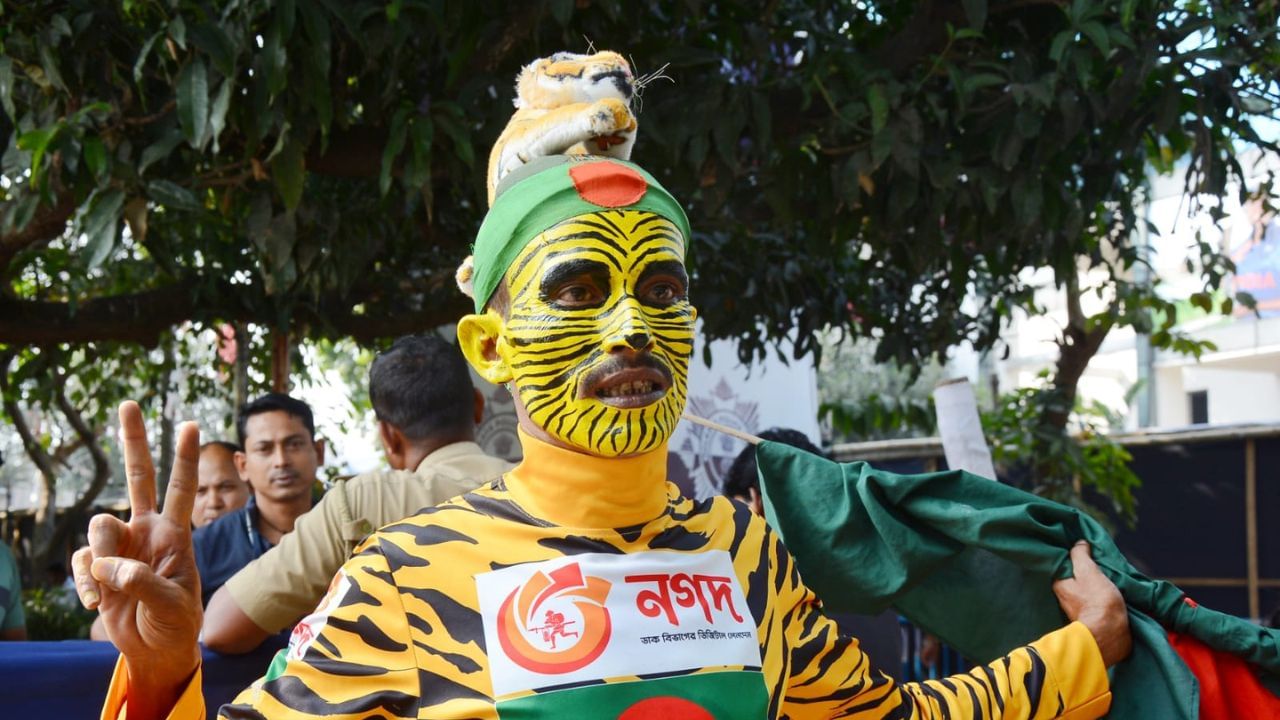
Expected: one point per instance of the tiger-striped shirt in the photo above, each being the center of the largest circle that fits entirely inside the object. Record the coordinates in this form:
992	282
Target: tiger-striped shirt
480	608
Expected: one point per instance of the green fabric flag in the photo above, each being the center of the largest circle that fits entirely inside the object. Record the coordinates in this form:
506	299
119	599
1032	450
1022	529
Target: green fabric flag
972	561
701	696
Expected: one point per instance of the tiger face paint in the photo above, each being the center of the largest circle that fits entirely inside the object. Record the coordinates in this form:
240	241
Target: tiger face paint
598	332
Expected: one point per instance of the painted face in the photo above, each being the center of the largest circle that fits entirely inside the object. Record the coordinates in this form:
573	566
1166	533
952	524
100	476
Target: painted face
599	331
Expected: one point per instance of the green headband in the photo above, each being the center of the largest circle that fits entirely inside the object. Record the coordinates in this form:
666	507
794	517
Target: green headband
550	190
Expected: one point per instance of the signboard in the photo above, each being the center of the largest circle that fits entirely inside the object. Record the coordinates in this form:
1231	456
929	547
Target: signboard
1258	269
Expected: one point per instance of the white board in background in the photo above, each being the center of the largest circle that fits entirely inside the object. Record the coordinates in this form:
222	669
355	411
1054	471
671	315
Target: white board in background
768	394
960	426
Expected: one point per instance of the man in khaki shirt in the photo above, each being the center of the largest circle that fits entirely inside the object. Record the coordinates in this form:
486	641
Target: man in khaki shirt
427	411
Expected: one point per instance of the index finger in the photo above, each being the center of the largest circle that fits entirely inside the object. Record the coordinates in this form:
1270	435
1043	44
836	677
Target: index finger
139	473
1082	560
183	479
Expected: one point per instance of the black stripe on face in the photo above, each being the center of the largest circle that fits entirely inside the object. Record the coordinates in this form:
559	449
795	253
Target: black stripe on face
591	275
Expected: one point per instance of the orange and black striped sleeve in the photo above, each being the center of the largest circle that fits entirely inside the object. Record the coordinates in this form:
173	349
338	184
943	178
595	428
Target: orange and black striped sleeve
353	659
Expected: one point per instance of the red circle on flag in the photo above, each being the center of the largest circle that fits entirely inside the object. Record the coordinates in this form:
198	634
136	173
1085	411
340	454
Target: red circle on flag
666	707
608	184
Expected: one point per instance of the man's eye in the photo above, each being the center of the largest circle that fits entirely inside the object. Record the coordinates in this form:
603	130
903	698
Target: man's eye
664	292
578	294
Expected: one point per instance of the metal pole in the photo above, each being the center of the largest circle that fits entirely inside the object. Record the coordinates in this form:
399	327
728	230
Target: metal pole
1251	523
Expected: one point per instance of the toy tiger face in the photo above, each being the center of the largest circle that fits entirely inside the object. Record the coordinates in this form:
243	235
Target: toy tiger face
598	332
568	78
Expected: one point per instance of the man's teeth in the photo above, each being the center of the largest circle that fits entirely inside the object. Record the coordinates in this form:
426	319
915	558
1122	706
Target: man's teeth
640	387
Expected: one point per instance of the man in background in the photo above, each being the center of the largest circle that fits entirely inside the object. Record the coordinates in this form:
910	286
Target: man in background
13	621
427	412
279	460
220	490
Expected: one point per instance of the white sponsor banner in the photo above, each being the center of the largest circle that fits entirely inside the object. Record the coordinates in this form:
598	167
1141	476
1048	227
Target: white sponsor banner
598	615
310	627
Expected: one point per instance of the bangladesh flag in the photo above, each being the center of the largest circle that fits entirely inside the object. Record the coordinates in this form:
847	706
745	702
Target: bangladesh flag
972	561
704	696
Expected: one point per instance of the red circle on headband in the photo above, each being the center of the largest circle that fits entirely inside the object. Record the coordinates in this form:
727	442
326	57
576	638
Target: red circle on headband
608	184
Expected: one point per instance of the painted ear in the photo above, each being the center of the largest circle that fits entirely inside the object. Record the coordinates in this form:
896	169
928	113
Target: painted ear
478	338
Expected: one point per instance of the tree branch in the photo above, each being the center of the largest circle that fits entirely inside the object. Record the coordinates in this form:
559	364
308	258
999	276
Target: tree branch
101	468
138	317
43	462
48	224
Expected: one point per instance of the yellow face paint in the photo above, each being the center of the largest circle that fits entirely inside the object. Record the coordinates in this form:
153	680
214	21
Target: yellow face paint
599	331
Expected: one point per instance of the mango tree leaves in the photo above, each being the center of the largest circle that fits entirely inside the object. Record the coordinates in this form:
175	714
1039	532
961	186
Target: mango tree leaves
193	102
100	224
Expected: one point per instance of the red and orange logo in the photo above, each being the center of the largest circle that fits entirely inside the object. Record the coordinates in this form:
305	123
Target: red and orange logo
556	622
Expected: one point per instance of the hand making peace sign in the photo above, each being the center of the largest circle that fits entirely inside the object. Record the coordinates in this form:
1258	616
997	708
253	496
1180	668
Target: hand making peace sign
141	575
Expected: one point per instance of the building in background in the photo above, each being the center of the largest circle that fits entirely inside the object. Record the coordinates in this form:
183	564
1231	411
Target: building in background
1237	382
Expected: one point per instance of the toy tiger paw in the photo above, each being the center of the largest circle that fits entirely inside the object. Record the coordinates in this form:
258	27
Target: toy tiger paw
567	104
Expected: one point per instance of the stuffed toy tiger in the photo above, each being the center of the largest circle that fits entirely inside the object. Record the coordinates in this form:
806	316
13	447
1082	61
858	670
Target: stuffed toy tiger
567	104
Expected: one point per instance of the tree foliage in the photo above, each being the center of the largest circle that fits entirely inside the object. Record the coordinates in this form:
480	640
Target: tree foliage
860	164
315	167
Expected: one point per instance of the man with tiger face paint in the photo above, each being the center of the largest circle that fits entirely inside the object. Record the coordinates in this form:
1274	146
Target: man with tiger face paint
581	584
595	330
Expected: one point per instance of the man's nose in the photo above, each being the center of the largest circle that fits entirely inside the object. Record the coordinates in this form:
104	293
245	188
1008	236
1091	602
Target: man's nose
281	456
632	333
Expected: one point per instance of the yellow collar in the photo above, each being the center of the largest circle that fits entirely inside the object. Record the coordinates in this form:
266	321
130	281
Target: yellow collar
573	489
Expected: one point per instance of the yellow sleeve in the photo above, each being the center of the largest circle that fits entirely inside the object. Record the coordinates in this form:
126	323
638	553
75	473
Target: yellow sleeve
352	657
190	704
290	578
1061	675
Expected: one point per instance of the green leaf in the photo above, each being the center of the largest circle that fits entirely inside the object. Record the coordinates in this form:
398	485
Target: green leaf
6	87
95	156
976	12
178	31
59	27
193	102
977	81
280	239
275	57
218	115
1059	45
395	143
37	142
879	108
49	64
393	10
420	135
1126	12
160	149
172	195
289	171
213	41
1097	34
143	53
101	225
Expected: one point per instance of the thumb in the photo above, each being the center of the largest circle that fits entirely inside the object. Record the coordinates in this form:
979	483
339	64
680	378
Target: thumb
131	577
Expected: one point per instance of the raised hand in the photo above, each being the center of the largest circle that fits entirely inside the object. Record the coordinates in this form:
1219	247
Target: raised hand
141	575
1090	597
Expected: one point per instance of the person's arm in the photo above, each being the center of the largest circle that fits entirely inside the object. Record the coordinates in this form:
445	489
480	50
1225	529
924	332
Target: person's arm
1061	675
274	591
142	578
227	629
